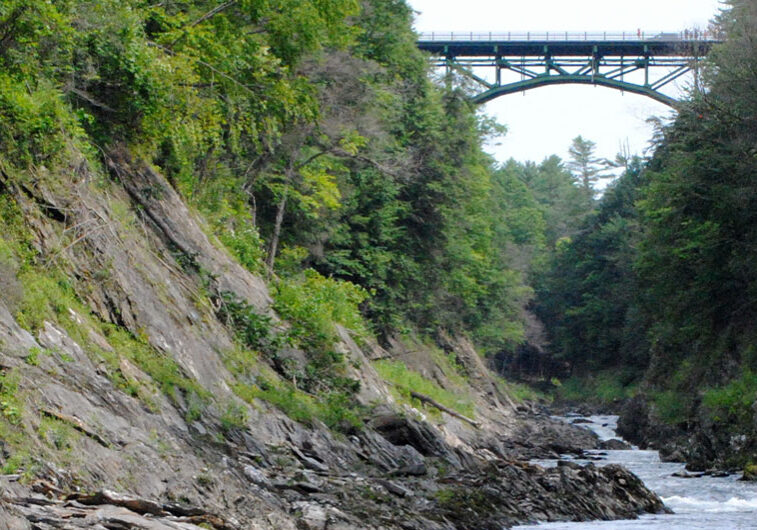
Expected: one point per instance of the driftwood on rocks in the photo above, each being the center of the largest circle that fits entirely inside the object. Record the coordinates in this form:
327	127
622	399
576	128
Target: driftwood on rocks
135	504
425	399
157	513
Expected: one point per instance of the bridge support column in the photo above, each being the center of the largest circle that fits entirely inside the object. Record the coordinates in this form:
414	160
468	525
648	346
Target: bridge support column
497	66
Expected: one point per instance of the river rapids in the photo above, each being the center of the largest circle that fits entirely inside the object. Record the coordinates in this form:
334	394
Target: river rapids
707	502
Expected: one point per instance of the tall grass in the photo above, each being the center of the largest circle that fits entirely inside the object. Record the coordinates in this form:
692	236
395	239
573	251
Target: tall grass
404	381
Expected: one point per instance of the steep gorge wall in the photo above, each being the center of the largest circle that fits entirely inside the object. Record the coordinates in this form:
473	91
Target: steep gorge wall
126	386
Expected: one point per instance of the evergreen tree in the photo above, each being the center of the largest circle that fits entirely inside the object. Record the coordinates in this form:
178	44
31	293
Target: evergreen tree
562	202
587	296
586	167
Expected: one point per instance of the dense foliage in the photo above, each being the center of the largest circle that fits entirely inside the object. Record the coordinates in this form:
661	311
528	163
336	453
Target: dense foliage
662	279
313	140
697	257
308	132
586	293
311	137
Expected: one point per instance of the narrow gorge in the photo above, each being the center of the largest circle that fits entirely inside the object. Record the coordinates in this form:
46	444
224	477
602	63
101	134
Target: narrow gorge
258	271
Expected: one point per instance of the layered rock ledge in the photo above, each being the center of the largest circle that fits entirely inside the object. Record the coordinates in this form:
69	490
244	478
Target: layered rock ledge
103	446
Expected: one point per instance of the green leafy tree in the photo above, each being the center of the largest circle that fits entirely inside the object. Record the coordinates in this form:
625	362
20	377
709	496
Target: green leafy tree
309	128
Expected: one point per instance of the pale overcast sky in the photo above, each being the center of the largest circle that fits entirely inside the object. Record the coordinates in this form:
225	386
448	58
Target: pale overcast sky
543	121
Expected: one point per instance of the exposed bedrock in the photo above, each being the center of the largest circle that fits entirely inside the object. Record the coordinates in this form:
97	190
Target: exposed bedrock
106	446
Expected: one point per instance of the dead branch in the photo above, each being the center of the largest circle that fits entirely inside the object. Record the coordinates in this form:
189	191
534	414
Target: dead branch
425	399
202	19
89	99
213	12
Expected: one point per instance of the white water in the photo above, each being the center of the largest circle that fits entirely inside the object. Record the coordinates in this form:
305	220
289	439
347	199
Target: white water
705	503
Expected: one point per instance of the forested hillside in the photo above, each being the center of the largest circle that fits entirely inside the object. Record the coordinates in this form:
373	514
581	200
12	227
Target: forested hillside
655	295
313	142
252	261
309	135
256	248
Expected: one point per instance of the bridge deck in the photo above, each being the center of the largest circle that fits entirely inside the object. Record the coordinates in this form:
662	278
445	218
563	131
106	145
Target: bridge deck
623	61
666	45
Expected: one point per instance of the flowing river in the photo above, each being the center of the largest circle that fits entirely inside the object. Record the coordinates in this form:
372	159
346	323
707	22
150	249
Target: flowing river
707	503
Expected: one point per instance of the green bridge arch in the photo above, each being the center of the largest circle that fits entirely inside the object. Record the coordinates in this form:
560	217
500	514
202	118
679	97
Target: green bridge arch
571	58
541	81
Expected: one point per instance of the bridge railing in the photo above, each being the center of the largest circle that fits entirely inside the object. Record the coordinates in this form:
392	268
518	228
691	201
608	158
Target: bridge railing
466	36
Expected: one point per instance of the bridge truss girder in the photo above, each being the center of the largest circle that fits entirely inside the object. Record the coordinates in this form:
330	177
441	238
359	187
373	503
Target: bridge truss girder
545	70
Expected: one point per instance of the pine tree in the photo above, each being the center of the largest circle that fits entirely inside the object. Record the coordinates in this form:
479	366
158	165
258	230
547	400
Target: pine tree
586	167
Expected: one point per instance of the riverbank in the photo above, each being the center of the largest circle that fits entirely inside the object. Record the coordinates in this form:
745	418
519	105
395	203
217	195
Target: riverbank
700	443
400	471
703	442
697	501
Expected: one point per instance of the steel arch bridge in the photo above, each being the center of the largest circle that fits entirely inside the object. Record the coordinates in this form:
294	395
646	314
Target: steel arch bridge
543	59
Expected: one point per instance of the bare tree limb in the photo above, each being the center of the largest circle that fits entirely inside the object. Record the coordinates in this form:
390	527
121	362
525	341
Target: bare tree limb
209	66
89	99
203	18
425	399
213	12
290	171
378	165
310	159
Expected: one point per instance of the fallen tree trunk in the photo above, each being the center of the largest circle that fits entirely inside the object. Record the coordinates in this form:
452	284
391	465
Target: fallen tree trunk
425	399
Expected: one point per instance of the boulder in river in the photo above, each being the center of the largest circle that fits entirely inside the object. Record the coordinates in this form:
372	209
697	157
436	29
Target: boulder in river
685	474
614	445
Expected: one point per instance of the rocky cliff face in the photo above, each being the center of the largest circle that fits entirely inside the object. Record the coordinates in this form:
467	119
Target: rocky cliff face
120	410
702	444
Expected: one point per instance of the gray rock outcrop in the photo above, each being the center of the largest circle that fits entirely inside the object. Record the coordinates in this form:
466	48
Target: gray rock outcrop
107	446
